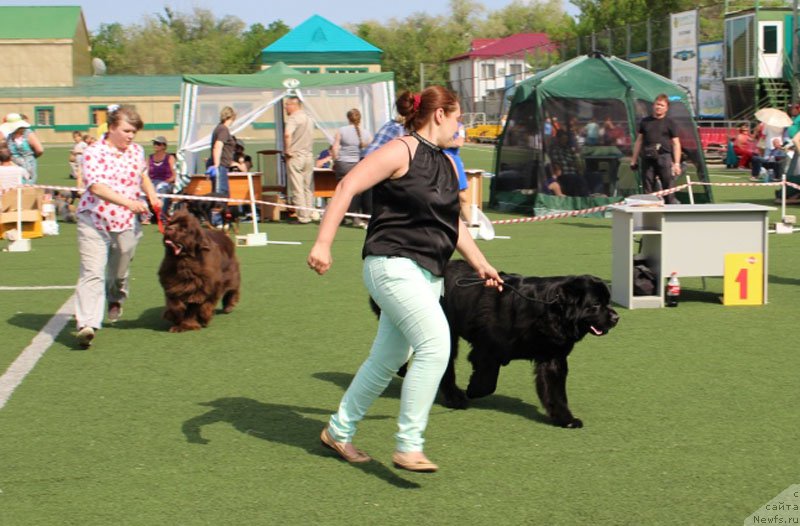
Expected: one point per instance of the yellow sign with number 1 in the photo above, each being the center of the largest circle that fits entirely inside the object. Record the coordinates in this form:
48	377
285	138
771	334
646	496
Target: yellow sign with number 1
744	279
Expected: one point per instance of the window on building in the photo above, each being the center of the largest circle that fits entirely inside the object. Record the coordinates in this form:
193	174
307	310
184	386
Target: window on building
487	71
342	92
44	117
769	42
515	69
347	70
308	70
739	44
98	115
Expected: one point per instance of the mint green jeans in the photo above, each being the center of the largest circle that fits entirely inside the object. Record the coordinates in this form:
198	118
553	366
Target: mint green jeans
412	323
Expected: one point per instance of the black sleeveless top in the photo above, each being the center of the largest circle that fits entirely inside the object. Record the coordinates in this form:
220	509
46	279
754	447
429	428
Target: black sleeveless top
416	215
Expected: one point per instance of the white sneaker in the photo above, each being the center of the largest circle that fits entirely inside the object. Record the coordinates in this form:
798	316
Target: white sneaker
85	337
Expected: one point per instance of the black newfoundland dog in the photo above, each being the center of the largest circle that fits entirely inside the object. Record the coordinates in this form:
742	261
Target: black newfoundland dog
534	318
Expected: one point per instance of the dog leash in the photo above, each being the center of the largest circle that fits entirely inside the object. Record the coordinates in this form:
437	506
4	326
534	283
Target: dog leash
157	210
468	282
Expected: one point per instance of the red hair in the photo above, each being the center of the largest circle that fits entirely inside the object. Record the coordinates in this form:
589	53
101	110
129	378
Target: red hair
417	109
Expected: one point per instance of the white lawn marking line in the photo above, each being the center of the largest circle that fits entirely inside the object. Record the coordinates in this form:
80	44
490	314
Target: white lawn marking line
27	359
38	287
731	176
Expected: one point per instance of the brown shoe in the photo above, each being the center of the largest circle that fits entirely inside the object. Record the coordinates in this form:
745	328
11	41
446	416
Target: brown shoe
355	456
413	461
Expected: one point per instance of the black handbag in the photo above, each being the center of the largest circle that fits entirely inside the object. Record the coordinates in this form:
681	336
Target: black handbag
644	279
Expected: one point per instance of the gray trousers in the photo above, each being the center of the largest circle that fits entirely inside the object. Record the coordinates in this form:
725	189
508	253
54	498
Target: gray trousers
300	174
104	268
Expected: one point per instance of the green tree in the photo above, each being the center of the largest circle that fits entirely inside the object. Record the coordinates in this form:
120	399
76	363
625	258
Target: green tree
522	16
419	39
174	43
253	41
109	45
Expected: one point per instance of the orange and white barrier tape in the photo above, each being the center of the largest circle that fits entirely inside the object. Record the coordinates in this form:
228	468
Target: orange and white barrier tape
572	213
321	211
185	197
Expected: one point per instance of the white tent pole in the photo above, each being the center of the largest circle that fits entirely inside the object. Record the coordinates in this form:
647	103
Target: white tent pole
783	193
253	216
188	107
279	142
19	209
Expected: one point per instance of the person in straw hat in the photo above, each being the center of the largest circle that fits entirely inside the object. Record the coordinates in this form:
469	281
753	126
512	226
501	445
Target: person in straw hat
23	144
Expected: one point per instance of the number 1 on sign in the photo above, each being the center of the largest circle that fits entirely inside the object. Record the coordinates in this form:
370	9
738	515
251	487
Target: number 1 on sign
744	279
741	279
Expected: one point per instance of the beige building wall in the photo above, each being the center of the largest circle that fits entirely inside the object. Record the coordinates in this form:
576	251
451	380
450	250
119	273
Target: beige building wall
158	114
81	53
36	63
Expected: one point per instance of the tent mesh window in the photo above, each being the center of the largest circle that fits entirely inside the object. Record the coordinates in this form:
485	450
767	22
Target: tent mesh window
574	124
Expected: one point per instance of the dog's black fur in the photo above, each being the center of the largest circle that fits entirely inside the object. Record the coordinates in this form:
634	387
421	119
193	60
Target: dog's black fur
534	318
539	319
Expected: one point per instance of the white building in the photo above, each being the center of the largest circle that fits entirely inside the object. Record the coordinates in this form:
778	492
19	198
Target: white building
491	65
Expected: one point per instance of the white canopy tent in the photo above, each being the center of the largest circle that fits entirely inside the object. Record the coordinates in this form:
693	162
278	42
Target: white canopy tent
257	100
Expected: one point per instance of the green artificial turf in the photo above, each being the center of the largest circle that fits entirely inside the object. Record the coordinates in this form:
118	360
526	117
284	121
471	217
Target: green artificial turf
690	413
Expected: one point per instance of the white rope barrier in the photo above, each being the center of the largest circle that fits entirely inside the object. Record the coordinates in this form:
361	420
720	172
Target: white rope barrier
186	197
547	217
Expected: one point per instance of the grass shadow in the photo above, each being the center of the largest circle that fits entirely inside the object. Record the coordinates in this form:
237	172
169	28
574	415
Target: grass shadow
283	424
342	380
701	296
495	402
148	319
586	225
36	322
781	280
30	320
511	406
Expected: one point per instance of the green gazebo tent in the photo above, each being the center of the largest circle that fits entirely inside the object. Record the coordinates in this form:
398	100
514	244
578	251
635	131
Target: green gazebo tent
598	101
257	99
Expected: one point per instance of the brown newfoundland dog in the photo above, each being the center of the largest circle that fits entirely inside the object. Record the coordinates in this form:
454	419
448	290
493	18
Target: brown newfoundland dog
199	269
539	319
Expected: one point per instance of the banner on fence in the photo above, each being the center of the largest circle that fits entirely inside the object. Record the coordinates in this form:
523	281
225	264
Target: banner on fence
684	51
710	84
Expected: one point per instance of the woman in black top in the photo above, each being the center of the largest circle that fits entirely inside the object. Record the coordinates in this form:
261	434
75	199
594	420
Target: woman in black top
412	233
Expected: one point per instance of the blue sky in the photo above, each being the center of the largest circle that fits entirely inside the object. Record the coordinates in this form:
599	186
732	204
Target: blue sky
292	12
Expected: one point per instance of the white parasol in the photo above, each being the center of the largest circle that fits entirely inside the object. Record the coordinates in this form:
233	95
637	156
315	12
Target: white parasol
774	117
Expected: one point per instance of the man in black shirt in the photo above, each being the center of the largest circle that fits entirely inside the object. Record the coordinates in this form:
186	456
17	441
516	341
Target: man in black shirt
657	140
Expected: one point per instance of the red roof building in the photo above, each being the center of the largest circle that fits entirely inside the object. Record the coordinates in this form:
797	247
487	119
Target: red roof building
492	64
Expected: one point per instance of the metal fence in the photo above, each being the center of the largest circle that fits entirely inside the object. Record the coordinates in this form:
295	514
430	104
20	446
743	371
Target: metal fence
646	44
